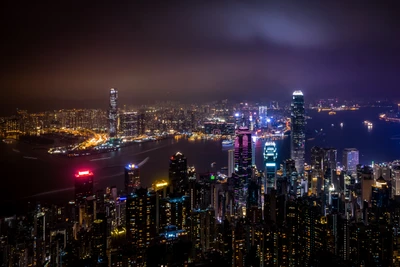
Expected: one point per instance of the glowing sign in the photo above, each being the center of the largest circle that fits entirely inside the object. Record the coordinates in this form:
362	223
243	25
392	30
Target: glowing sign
84	173
270	164
212	177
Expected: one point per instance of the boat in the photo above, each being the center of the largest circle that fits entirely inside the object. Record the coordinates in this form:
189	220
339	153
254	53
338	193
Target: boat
332	113
368	123
227	143
30	158
341	124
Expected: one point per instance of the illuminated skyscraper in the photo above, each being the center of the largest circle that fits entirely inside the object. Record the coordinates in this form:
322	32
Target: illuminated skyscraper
298	131
396	179
350	160
262	115
317	161
83	185
129	124
243	150
178	172
132	178
330	159
270	156
141	216
113	113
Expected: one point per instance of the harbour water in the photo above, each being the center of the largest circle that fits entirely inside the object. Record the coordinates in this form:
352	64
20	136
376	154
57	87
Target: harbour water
31	175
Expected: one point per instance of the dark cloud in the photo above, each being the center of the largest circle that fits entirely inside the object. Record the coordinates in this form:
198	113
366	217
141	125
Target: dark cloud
191	50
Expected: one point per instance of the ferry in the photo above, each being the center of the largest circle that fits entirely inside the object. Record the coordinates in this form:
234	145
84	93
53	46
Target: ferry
227	143
332	113
368	123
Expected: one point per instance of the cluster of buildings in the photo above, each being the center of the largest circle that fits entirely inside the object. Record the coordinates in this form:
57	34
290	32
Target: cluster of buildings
215	118
287	214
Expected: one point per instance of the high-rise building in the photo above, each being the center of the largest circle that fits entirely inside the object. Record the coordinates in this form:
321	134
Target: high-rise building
350	160
243	150
178	172
270	156
141	214
396	179
129	124
99	239
113	113
298	131
330	158
132	178
262	115
83	185
231	162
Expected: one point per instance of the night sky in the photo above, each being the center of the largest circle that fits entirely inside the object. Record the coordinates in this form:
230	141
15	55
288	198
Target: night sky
69	55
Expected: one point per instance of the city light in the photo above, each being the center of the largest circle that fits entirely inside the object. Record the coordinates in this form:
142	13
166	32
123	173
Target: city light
161	184
83	173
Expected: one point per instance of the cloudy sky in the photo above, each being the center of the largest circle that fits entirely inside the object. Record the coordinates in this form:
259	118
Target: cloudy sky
69	55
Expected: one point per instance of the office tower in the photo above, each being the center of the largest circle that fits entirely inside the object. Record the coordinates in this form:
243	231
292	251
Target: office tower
382	170
378	212
178	172
113	113
317	161
83	186
330	159
132	178
99	239
289	167
191	173
262	115
129	124
396	179
141	122
243	150
231	162
141	221
367	180
192	187
298	131
334	202
350	160
270	156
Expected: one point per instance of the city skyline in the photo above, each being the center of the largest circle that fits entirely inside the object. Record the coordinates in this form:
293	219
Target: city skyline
200	134
324	48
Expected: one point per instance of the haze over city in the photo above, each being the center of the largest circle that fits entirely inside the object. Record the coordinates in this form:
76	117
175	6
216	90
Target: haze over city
200	133
195	51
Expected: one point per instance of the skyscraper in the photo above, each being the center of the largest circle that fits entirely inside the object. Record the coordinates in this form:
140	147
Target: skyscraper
132	178
141	222
270	166
298	131
350	160
262	115
396	179
178	172
231	162
113	113
243	150
83	185
129	124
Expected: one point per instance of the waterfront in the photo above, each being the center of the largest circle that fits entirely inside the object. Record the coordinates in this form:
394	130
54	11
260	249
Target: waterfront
51	176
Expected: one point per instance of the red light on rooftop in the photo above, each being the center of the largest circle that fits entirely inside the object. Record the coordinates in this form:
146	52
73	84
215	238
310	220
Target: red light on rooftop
83	173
